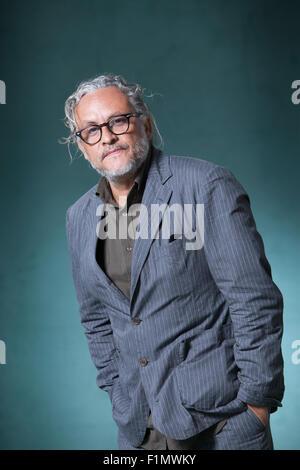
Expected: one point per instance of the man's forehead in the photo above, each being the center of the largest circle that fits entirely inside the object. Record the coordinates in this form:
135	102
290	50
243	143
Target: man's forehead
104	103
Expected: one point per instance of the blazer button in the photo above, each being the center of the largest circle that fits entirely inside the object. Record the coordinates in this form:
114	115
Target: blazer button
143	362
137	321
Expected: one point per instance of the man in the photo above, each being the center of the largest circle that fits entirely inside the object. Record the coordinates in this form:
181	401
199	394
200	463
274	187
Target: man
186	339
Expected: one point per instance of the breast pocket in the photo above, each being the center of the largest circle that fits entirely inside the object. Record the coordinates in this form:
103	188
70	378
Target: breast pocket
166	266
172	248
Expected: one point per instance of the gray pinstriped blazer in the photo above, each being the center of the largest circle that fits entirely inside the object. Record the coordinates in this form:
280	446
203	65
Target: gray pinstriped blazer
209	339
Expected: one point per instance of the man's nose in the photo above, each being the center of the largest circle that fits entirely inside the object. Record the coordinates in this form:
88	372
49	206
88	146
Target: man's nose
107	136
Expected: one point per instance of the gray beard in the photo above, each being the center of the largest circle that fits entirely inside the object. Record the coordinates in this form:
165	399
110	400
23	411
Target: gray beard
140	152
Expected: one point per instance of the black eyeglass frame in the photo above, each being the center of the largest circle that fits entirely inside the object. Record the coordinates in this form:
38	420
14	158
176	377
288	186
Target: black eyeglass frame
106	124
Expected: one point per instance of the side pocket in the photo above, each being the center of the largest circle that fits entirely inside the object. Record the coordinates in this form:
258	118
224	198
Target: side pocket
206	372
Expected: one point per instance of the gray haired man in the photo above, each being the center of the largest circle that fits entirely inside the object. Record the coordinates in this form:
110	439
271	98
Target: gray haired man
187	343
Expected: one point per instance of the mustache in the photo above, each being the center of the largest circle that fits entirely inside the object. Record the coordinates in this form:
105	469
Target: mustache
111	149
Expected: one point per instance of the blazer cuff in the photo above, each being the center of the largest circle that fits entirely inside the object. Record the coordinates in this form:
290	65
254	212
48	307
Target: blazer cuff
109	391
257	399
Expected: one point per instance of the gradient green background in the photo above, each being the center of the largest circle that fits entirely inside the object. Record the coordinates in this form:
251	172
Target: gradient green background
221	74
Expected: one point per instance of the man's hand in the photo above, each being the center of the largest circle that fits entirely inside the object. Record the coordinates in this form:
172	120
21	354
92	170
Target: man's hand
261	412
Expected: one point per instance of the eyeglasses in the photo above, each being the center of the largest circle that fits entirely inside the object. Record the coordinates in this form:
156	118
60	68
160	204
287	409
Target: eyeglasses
116	124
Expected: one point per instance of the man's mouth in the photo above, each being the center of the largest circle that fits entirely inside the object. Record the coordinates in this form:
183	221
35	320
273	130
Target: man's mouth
112	152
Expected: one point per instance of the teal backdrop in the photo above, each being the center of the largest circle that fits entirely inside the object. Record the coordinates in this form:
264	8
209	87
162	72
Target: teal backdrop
220	76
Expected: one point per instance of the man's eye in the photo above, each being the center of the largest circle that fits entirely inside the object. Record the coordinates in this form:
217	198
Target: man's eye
92	130
119	121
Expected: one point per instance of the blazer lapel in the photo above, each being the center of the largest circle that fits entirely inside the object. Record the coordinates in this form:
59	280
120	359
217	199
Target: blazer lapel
156	193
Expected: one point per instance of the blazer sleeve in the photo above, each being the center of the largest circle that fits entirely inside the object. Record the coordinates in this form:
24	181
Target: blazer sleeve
95	321
235	254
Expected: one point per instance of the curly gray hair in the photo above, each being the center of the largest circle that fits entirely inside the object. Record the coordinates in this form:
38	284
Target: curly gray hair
132	90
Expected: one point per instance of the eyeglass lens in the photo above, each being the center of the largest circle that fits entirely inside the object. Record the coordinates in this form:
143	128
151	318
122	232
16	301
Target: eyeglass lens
117	125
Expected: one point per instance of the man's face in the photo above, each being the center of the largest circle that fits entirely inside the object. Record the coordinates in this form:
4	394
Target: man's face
115	155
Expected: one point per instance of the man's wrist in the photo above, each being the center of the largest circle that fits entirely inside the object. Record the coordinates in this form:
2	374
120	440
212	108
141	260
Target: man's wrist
262	412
